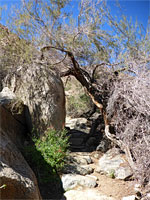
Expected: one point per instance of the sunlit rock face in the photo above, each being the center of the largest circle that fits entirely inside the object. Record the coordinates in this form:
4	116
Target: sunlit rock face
41	90
15	174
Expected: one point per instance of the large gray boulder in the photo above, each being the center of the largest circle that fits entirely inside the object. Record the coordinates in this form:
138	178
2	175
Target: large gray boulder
41	90
18	178
13	117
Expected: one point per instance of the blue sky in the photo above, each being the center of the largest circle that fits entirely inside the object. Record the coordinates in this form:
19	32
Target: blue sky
137	9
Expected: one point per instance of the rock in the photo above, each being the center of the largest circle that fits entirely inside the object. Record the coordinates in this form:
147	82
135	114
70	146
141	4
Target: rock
114	163
6	95
133	197
88	159
77	124
70	181
12	117
96	155
83	160
73	123
88	169
15	174
18	178
123	173
147	197
88	194
137	187
78	164
40	89
99	170
103	146
77	169
92	176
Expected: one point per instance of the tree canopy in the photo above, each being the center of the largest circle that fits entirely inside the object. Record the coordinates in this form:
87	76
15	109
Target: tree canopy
90	32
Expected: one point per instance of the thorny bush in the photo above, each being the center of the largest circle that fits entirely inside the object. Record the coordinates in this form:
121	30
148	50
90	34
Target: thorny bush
129	108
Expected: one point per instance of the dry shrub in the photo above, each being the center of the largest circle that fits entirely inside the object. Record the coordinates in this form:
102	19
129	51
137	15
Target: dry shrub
129	108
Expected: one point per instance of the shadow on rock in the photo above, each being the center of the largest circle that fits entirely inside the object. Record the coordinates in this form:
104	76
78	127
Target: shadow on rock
49	182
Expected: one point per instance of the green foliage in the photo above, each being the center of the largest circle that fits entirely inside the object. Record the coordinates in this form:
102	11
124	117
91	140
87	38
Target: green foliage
53	147
42	170
77	105
14	51
3	186
77	101
112	174
47	155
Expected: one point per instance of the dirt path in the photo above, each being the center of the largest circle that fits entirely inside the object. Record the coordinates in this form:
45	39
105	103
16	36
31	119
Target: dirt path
114	188
109	186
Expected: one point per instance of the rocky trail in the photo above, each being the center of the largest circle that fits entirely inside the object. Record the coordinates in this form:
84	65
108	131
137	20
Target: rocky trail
88	180
95	170
95	175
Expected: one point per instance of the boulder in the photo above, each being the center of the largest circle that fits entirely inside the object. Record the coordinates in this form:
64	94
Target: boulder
78	163
82	159
12	117
78	169
17	179
41	90
70	181
79	124
114	164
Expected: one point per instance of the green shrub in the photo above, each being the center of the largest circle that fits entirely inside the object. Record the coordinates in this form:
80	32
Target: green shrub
53	147
112	174
78	104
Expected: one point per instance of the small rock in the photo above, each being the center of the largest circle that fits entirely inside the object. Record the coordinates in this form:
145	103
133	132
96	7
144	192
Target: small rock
6	94
91	176
76	123
83	160
88	194
96	155
103	146
137	187
70	181
88	159
133	197
148	195
98	170
88	169
76	169
122	173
